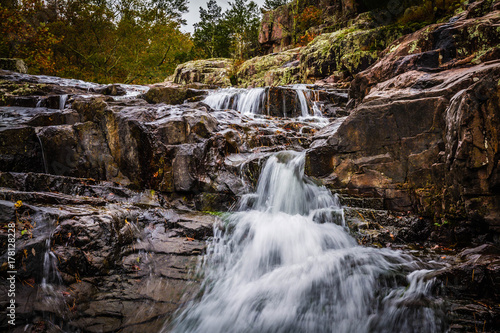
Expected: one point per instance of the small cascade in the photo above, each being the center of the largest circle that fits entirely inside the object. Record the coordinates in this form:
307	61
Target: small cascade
301	94
248	101
51	275
39	103
45	165
294	101
286	263
62	101
52	290
308	99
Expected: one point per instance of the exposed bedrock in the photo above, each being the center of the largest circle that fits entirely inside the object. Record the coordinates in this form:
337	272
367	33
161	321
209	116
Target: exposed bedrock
423	131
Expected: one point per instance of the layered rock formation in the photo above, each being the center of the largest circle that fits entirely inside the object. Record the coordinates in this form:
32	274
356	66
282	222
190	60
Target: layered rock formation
113	197
422	133
209	71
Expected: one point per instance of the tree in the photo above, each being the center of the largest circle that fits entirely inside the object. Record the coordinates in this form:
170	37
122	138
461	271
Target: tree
211	34
128	41
273	4
169	9
24	35
243	20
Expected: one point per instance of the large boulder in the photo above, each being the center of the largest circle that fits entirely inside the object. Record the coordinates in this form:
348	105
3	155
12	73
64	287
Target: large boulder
345	52
13	64
171	94
214	71
281	27
270	70
420	139
460	41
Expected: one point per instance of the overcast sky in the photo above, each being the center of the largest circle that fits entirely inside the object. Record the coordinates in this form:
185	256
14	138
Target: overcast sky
194	11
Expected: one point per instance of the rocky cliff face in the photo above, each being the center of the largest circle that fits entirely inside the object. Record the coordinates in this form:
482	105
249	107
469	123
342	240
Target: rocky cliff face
113	196
422	132
280	27
114	189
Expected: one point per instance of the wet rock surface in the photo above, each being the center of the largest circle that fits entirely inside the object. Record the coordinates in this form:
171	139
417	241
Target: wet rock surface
113	197
422	138
97	257
114	189
208	71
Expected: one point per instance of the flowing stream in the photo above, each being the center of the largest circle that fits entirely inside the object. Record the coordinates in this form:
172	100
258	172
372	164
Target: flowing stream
285	262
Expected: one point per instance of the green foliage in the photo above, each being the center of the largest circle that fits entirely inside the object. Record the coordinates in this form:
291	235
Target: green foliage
445	222
430	11
273	4
131	41
244	22
23	35
230	34
211	33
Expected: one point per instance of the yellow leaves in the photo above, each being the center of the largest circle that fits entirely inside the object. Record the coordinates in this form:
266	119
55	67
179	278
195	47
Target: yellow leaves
18	204
189	239
29	282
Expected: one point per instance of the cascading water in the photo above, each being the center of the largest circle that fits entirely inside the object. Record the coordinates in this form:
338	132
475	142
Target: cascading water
276	267
62	101
255	100
45	166
249	101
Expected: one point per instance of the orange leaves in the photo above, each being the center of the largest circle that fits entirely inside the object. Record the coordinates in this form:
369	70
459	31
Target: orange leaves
24	39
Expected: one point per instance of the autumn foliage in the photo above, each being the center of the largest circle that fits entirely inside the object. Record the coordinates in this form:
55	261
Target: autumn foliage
22	36
129	41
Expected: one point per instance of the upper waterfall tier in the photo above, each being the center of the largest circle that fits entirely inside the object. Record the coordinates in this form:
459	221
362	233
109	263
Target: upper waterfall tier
292	102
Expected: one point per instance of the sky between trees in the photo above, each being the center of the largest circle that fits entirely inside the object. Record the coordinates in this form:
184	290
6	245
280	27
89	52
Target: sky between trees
193	16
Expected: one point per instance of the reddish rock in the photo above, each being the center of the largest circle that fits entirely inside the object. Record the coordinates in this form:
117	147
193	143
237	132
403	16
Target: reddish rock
424	134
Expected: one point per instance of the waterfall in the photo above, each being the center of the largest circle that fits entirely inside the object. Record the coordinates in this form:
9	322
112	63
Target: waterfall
301	94
45	166
257	101
274	266
62	101
249	101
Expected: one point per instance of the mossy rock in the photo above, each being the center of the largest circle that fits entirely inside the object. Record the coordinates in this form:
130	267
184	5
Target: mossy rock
270	70
350	50
214	71
13	64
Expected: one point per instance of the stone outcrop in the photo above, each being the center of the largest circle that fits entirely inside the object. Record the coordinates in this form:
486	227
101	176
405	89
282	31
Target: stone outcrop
215	71
13	64
113	198
270	70
172	94
277	26
98	257
345	52
423	134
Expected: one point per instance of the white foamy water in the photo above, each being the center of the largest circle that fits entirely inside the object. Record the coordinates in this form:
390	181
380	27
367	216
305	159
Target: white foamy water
255	101
274	266
249	101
